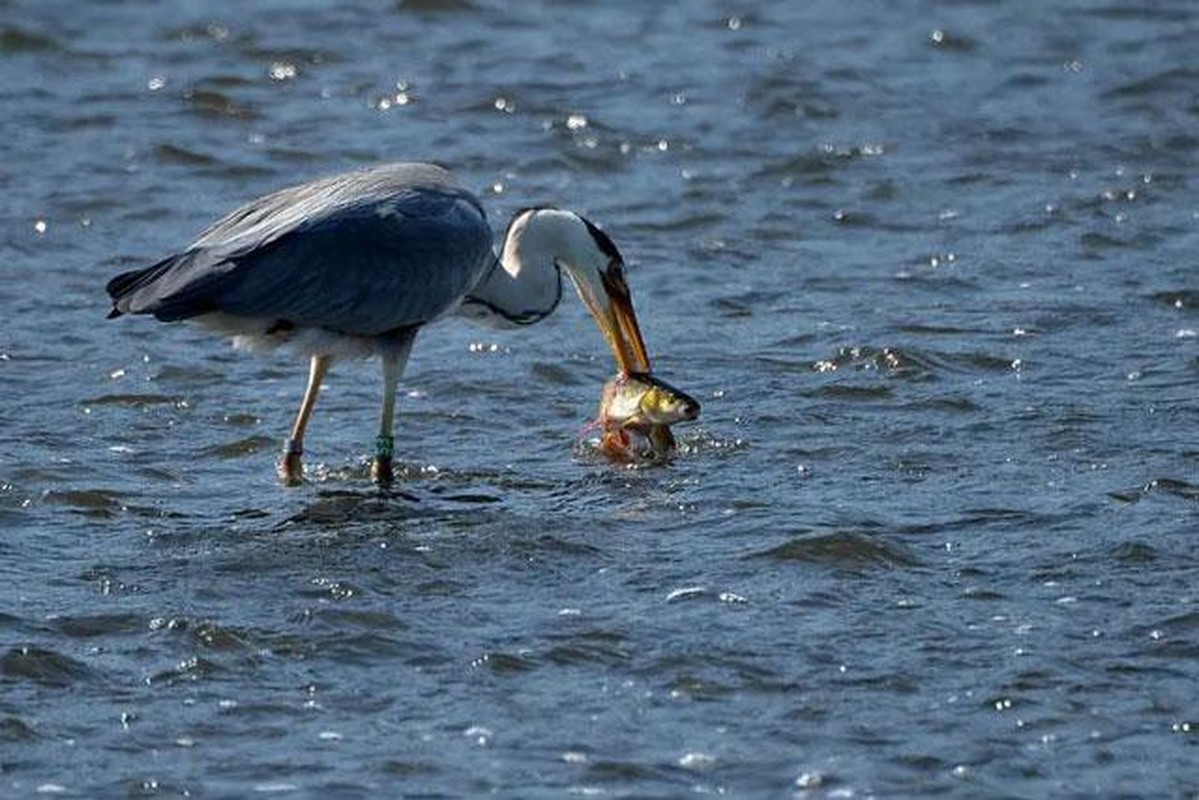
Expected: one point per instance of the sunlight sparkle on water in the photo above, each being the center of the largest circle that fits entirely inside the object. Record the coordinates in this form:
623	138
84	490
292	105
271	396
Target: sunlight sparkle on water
282	71
966	477
697	761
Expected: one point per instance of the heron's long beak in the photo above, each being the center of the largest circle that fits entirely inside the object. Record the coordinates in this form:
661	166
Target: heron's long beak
626	340
607	297
619	323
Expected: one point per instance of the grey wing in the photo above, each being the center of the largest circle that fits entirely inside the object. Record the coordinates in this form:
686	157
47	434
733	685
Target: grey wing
391	264
362	265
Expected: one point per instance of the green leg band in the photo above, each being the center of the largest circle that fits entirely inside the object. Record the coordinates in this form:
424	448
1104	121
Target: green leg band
384	446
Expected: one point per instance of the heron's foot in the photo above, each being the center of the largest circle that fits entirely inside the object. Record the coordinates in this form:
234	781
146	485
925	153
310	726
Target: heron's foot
381	471
290	468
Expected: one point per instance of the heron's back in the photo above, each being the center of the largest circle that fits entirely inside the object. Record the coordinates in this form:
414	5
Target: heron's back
362	253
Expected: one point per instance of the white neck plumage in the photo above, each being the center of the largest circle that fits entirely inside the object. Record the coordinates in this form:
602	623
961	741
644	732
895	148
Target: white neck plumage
525	284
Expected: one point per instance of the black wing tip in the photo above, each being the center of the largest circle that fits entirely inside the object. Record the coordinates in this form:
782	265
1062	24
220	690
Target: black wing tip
119	284
119	287
125	283
122	286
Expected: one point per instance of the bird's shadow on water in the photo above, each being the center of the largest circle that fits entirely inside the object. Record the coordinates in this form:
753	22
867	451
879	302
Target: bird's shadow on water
342	509
344	499
475	501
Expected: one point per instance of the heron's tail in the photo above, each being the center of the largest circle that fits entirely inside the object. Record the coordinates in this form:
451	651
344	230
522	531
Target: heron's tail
166	289
122	287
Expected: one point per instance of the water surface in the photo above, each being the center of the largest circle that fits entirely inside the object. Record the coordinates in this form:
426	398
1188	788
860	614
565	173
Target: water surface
930	267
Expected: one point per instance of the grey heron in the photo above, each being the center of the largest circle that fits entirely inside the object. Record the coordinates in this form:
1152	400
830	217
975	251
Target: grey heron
356	264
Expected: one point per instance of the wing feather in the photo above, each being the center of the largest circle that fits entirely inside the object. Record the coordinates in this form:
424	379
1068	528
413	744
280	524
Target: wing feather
363	254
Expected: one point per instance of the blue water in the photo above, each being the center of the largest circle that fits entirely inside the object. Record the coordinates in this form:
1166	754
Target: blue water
931	268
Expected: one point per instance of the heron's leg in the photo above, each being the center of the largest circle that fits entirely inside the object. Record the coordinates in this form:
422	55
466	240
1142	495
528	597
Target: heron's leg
291	471
395	352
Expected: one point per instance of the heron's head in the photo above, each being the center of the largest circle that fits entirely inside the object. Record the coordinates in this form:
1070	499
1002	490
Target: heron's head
564	240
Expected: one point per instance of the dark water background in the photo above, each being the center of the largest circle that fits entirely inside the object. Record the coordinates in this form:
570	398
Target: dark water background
932	267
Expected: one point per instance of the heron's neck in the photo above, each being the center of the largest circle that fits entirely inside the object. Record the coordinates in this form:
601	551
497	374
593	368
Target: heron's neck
524	285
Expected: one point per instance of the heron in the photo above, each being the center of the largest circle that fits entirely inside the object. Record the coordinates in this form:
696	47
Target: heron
357	263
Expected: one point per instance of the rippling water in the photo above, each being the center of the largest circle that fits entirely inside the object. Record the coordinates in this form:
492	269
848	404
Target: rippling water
931	268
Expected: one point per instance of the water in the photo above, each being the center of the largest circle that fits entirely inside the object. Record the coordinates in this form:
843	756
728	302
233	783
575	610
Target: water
930	267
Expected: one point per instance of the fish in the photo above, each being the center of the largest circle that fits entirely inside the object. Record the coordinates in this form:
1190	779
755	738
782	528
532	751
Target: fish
635	414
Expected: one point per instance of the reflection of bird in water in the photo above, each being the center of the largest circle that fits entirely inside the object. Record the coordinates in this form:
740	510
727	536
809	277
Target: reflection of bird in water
357	263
